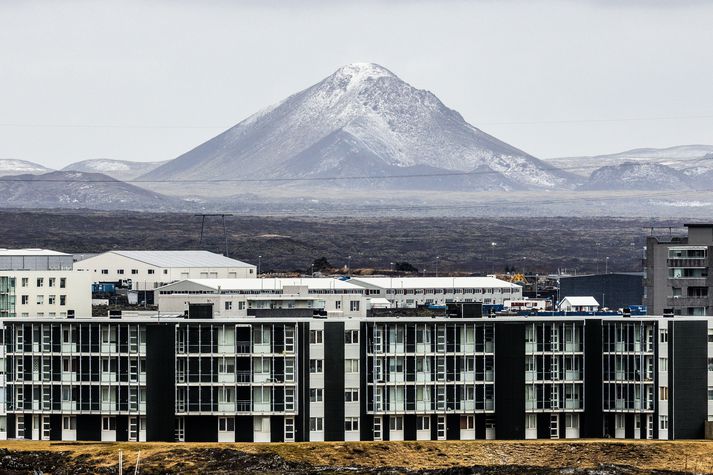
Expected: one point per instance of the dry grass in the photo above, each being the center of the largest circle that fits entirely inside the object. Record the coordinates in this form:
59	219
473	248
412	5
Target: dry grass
695	456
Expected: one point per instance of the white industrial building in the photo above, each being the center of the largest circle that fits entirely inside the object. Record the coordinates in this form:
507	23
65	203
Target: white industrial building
242	297
147	270
42	283
409	292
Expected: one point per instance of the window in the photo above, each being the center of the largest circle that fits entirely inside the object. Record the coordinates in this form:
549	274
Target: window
663	393
351	336
663	335
241	305
134	271
105	271
423	423
315	366
338	305
165	271
25	299
151	272
710	364
316	424
62	300
351	366
467	422
51	281
226	424
108	423
40	282
316	395
69	423
710	393
315	336
120	271
51	299
351	395
25	281
40	299
228	305
261	335
351	424
396	423
710	335
62	282
354	306
663	364
663	422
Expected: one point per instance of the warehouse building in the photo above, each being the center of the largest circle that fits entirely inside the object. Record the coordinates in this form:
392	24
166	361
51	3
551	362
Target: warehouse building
614	290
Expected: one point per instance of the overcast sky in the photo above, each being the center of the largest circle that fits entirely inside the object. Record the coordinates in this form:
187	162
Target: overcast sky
149	80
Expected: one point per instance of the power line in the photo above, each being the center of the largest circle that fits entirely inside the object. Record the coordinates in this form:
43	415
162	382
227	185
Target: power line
39	179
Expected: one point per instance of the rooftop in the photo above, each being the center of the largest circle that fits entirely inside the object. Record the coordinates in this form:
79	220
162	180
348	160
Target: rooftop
266	284
582	301
30	252
433	282
182	258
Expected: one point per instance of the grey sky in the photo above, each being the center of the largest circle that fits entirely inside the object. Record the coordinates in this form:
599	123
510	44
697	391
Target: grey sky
149	80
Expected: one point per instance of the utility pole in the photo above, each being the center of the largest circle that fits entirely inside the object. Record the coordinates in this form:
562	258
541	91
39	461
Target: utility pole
225	233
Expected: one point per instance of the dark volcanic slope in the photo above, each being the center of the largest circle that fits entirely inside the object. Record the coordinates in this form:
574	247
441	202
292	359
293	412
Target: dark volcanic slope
293	243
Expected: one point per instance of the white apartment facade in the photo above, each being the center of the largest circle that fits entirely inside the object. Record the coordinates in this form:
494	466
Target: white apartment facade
42	283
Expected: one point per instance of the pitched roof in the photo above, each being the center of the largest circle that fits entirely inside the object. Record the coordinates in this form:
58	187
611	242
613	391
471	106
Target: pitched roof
433	282
31	252
581	301
182	259
228	285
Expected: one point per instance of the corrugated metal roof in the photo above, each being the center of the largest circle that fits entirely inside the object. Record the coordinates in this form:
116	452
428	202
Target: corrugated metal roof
30	252
267	284
434	282
182	259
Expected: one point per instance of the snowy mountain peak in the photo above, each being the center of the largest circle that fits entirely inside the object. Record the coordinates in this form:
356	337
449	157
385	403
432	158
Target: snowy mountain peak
357	73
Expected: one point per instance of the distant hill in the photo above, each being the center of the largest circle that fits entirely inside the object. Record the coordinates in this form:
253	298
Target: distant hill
637	176
363	121
119	169
19	167
63	189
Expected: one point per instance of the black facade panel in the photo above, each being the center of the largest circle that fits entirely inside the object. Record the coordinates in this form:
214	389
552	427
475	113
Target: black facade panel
89	427
244	429
28	425
11	426
592	419
543	426
688	394
366	429
55	427
510	375
277	429
410	427
160	376
201	428
302	419
453	427
122	428
334	381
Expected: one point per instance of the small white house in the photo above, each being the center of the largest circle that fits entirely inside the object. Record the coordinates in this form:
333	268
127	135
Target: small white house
579	304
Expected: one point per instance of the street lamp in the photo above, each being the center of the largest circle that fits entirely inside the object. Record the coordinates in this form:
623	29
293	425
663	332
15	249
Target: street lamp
349	265
437	259
606	265
391	267
259	259
492	257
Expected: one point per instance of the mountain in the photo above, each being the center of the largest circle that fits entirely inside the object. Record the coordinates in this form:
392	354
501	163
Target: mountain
61	189
637	176
19	167
362	121
119	169
679	157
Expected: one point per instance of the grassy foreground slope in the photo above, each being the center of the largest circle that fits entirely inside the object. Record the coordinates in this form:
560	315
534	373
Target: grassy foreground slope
615	457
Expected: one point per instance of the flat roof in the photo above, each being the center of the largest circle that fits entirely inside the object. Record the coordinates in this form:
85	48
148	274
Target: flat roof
182	258
433	282
312	283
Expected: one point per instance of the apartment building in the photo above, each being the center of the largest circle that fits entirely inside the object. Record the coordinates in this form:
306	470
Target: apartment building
385	375
41	282
411	292
677	276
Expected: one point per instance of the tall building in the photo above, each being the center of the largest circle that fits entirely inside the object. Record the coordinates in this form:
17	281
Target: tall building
677	272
